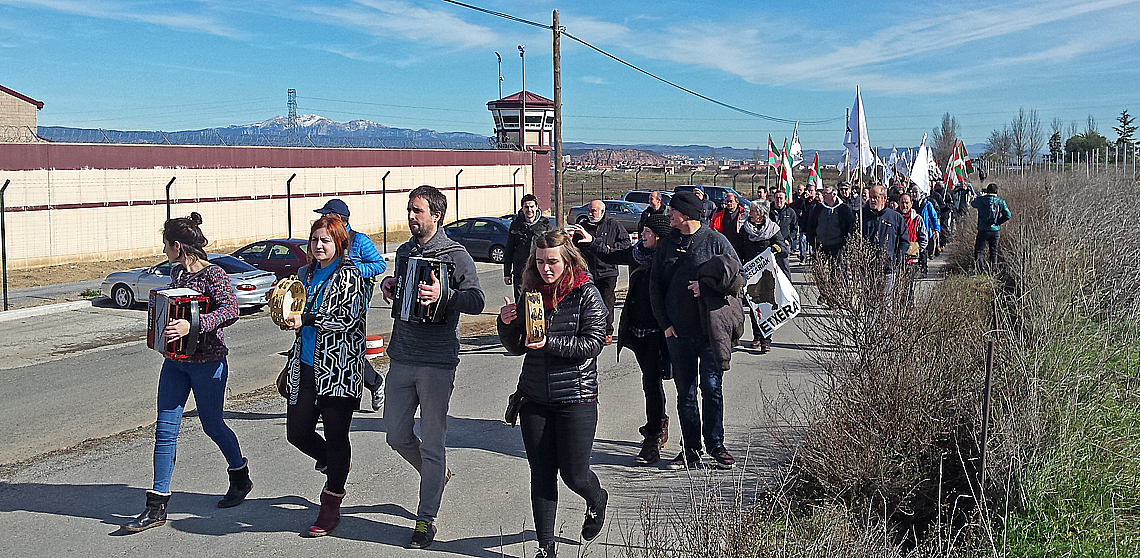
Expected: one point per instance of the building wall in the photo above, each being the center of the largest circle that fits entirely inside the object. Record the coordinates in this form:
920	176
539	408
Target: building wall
17	117
62	209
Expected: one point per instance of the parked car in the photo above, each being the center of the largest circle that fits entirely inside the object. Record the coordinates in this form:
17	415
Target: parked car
715	193
642	196
252	285
282	256
484	237
624	212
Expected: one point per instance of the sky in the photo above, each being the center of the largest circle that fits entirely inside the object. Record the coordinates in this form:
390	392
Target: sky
427	64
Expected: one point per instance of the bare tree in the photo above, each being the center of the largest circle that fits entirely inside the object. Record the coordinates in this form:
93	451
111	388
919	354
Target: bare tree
943	138
1000	145
1019	137
1035	134
1090	126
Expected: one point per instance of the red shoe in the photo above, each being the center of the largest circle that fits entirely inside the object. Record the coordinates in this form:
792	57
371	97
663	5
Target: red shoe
329	516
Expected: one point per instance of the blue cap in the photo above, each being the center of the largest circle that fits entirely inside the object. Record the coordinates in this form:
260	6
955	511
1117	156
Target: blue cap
334	206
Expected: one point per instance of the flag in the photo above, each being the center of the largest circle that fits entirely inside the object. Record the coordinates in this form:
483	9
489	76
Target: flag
797	153
966	157
920	172
813	173
786	172
856	138
956	166
773	153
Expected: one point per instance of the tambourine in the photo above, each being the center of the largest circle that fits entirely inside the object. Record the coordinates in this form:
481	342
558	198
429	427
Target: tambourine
287	299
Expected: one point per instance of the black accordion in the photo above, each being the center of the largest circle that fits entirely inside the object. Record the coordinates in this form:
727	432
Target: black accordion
167	305
410	274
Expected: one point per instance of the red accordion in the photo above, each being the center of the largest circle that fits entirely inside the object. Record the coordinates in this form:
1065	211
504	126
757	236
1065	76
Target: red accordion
167	305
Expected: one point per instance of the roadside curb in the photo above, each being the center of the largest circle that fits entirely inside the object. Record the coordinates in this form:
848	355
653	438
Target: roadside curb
42	310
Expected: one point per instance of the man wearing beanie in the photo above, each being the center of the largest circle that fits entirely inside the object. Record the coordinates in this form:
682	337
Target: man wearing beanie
604	232
674	298
528	223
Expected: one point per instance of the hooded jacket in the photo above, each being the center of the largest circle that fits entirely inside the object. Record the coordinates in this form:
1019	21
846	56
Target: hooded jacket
829	225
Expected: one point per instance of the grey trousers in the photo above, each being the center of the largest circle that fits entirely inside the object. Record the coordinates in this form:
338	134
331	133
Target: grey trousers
409	386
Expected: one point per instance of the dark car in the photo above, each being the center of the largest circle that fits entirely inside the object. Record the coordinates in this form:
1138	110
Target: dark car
626	213
282	256
715	193
642	196
483	237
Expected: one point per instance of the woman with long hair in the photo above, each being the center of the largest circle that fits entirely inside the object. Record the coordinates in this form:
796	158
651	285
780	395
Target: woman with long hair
326	364
205	372
559	382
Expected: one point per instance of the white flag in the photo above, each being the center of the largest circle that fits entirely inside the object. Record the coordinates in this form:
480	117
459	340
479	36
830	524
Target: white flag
856	140
769	293
920	172
794	150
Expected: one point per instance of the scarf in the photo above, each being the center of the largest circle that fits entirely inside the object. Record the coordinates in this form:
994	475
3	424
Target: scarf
553	293
763	232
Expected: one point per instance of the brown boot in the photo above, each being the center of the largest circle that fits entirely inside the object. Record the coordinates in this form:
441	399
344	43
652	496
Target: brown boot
329	516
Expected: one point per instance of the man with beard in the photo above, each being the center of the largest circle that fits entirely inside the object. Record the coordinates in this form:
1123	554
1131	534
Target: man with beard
528	223
728	219
424	355
885	229
603	231
917	233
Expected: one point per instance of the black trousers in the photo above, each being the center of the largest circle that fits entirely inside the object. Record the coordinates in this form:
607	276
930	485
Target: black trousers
607	285
981	242
653	358
558	440
333	450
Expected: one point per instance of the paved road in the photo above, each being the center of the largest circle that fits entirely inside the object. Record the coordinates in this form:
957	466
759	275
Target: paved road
47	294
72	502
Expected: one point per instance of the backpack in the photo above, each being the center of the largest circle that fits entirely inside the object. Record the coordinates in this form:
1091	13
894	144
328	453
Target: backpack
988	213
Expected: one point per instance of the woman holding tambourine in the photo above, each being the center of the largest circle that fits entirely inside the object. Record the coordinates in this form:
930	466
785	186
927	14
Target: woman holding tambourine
205	372
559	382
325	369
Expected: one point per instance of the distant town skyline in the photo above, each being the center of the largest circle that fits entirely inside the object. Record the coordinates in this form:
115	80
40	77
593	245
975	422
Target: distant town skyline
420	64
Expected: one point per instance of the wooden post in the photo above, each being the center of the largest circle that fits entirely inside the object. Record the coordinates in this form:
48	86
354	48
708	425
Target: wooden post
559	206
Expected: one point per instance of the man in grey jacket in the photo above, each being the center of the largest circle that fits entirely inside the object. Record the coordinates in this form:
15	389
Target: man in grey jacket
423	356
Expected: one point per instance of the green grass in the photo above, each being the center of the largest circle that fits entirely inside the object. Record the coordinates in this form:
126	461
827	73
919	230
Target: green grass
91	293
1083	498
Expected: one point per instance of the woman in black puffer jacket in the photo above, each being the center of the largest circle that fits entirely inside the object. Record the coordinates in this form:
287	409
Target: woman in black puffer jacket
559	383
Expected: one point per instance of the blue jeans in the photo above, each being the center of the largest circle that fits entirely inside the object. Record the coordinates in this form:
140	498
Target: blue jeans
208	381
692	359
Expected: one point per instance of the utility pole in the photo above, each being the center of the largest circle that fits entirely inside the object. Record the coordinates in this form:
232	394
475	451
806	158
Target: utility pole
522	96
559	213
500	74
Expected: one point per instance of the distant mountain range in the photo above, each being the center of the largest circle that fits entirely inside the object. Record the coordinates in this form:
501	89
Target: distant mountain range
318	131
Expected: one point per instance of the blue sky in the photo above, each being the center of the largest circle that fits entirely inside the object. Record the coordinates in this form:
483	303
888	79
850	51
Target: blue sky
172	65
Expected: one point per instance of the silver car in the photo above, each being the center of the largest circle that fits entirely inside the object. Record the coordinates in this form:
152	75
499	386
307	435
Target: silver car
252	285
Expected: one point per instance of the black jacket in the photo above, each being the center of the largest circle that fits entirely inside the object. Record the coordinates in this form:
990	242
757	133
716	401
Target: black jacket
645	214
722	314
520	239
789	222
609	236
829	226
887	231
637	313
565	370
675	263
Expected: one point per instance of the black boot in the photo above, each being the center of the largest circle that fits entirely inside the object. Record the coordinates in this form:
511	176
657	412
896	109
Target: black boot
545	551
154	515
240	485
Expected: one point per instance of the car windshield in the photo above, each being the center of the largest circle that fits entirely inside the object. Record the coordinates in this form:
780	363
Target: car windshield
231	264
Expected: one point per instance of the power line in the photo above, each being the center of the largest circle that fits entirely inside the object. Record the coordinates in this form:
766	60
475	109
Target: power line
646	72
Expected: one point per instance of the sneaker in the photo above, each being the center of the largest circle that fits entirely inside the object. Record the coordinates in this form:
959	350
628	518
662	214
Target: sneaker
595	517
757	343
422	535
684	460
724	460
378	398
545	551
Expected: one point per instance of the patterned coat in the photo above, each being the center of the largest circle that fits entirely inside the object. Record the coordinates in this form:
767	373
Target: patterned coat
338	359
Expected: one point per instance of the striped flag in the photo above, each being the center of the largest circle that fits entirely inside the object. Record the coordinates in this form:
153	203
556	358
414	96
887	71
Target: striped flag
956	166
774	154
786	171
813	173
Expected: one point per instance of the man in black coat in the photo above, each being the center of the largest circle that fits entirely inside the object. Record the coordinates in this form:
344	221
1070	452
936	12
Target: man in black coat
655	208
782	214
528	223
885	229
607	232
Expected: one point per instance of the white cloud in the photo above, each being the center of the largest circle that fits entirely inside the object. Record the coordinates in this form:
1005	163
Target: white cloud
594	80
393	19
131	11
778	54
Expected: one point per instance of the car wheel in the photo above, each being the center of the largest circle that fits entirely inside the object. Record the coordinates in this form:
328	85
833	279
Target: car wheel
122	296
498	254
